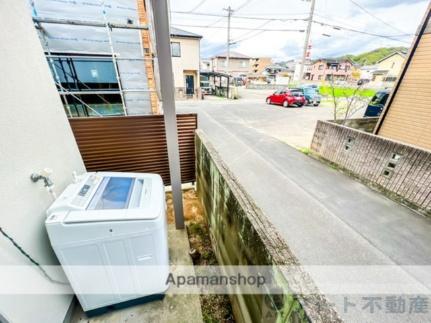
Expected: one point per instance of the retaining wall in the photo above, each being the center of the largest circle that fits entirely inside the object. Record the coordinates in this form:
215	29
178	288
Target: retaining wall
403	172
242	235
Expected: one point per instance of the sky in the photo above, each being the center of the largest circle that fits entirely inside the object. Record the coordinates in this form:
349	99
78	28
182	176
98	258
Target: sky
398	19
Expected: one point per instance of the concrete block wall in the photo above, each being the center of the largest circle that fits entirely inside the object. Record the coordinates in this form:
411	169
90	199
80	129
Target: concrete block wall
401	171
242	235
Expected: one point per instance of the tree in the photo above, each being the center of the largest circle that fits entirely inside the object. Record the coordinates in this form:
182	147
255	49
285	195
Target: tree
346	102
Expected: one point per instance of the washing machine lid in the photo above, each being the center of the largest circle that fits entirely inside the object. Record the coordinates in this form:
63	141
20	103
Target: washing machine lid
121	198
117	193
112	215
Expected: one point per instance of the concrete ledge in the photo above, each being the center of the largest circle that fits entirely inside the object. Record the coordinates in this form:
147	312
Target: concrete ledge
242	235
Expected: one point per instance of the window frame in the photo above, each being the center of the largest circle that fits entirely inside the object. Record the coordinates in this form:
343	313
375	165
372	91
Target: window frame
179	48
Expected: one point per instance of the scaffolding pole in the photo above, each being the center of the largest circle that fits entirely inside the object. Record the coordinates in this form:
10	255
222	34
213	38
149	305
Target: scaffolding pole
88	23
114	61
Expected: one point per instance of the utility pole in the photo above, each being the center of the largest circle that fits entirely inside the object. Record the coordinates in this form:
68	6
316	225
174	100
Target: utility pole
307	39
229	15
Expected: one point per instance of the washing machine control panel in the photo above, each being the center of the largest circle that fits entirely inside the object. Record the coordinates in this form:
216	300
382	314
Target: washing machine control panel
86	191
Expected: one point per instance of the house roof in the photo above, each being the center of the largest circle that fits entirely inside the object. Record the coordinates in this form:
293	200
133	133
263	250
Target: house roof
233	55
394	53
176	32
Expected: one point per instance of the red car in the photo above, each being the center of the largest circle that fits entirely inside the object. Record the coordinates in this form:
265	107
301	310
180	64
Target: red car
286	98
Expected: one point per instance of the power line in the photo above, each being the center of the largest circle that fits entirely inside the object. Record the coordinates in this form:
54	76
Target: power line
249	37
374	16
240	38
238	28
391	37
198	5
238	17
246	3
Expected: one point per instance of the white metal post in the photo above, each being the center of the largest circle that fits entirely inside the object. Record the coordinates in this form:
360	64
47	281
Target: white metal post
307	40
163	50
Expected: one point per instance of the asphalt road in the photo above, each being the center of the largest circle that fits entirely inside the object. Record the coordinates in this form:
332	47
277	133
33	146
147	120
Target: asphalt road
326	218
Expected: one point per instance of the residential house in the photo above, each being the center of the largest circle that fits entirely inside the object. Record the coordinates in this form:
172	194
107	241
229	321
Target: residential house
295	65
278	74
185	48
259	64
407	115
206	65
325	69
388	69
99	70
366	72
239	64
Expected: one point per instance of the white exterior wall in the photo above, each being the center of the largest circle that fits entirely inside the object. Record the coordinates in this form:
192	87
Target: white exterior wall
189	60
34	134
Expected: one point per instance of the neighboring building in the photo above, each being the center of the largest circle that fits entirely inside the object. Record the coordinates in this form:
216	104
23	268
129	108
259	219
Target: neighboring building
206	65
296	66
388	70
407	116
367	72
259	64
239	64
185	48
278	74
326	69
99	70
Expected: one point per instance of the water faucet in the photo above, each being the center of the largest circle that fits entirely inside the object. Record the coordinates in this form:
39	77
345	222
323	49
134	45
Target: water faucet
43	176
48	183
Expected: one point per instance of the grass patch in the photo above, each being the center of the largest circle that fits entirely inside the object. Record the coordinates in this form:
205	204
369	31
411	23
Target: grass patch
304	150
346	92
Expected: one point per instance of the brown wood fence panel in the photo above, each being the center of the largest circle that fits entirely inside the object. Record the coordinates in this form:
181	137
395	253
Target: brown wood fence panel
135	144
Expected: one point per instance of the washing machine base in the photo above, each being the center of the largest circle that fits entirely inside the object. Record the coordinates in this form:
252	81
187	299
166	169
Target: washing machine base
129	303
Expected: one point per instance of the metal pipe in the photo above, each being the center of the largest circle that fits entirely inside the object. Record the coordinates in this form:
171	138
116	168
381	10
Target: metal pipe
88	23
163	49
84	92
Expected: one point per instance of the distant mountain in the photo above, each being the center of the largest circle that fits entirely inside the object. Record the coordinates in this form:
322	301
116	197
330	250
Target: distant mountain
372	57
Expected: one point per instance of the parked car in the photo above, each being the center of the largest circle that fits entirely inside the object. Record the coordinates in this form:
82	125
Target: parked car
311	95
286	98
377	104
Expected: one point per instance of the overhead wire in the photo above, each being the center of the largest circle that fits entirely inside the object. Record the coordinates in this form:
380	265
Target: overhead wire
245	35
198	5
238	28
391	37
375	17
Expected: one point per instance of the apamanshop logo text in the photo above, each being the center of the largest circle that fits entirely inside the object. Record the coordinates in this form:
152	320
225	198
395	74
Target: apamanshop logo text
216	280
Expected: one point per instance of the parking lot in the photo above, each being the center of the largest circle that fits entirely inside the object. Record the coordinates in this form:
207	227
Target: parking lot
294	126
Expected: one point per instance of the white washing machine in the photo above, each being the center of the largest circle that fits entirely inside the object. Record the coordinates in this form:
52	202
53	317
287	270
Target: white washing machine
109	232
